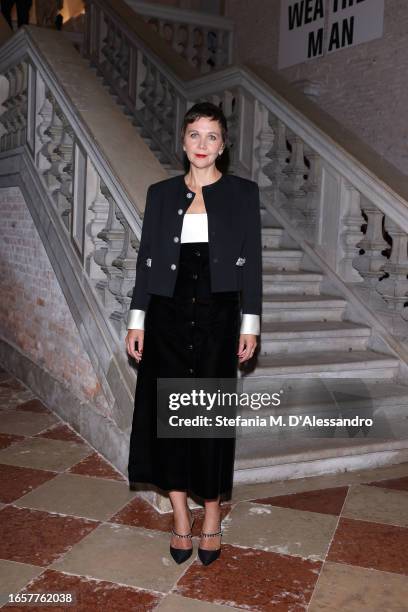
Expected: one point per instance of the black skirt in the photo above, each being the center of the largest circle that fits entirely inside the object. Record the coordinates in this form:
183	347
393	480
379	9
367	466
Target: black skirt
195	333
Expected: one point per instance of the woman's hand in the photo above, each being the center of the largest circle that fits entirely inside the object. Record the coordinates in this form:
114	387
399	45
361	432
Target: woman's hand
133	336
247	346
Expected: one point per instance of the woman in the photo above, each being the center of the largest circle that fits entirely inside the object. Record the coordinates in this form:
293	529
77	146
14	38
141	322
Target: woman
199	263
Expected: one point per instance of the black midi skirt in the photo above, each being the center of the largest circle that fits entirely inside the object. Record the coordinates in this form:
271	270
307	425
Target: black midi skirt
195	333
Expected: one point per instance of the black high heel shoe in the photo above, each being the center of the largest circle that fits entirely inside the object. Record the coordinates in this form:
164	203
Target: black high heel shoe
182	554
208	556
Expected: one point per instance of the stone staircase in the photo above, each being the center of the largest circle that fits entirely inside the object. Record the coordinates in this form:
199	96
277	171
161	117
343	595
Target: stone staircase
303	329
305	334
311	326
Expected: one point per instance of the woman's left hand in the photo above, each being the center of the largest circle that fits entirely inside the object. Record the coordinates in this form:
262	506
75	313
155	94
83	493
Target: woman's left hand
247	346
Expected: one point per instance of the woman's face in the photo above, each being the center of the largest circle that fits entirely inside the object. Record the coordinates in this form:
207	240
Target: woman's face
203	142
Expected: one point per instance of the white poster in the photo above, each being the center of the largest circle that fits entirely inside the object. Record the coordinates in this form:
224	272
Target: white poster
353	23
301	31
312	28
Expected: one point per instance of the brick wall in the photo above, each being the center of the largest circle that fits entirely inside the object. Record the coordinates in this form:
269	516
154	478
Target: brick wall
363	87
33	312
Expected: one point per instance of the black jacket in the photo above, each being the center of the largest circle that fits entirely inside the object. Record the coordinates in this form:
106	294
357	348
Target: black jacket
234	239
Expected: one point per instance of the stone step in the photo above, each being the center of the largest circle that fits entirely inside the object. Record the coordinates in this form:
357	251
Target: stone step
282	259
302	308
271	237
331	364
290	282
258	460
323	398
292	336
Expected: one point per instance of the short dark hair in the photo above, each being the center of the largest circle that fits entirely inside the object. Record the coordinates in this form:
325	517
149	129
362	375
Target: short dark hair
206	109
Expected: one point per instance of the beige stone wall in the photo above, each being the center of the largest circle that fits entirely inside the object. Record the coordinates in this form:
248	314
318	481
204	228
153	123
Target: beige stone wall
363	87
34	315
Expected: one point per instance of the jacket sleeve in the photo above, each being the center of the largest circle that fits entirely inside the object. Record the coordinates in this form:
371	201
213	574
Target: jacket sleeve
252	252
140	296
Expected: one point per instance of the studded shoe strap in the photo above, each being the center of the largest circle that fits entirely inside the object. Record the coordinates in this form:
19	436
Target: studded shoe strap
188	535
209	535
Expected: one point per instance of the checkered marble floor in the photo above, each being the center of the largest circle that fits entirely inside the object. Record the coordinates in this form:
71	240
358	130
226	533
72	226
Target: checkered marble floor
68	523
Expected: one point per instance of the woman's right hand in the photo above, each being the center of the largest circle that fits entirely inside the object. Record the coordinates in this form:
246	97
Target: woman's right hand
133	336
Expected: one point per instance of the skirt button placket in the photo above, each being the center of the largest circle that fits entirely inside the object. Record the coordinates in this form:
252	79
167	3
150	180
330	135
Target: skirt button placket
193	318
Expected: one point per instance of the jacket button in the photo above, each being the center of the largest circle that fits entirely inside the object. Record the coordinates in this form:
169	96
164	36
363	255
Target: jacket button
215	260
189	195
180	211
173	266
194	276
176	239
191	370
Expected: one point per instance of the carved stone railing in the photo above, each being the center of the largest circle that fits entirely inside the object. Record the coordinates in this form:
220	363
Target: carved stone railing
204	40
104	240
92	227
337	198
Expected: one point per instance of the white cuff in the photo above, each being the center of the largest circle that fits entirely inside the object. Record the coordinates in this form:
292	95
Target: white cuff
136	319
250	324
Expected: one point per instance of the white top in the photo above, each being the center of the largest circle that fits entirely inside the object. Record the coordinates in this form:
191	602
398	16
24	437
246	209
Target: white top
195	229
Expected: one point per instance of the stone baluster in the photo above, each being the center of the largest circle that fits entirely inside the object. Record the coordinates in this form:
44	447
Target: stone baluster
108	51
371	260
114	54
125	65
263	146
229	101
157	103
45	117
188	48
14	118
117	55
54	132
154	23
167	134
205	57
21	104
159	25
350	233
113	237
175	39
102	29
147	93
138	78
97	215
219	48
122	284
7	117
170	31
65	151
293	186
279	156
394	285
308	206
